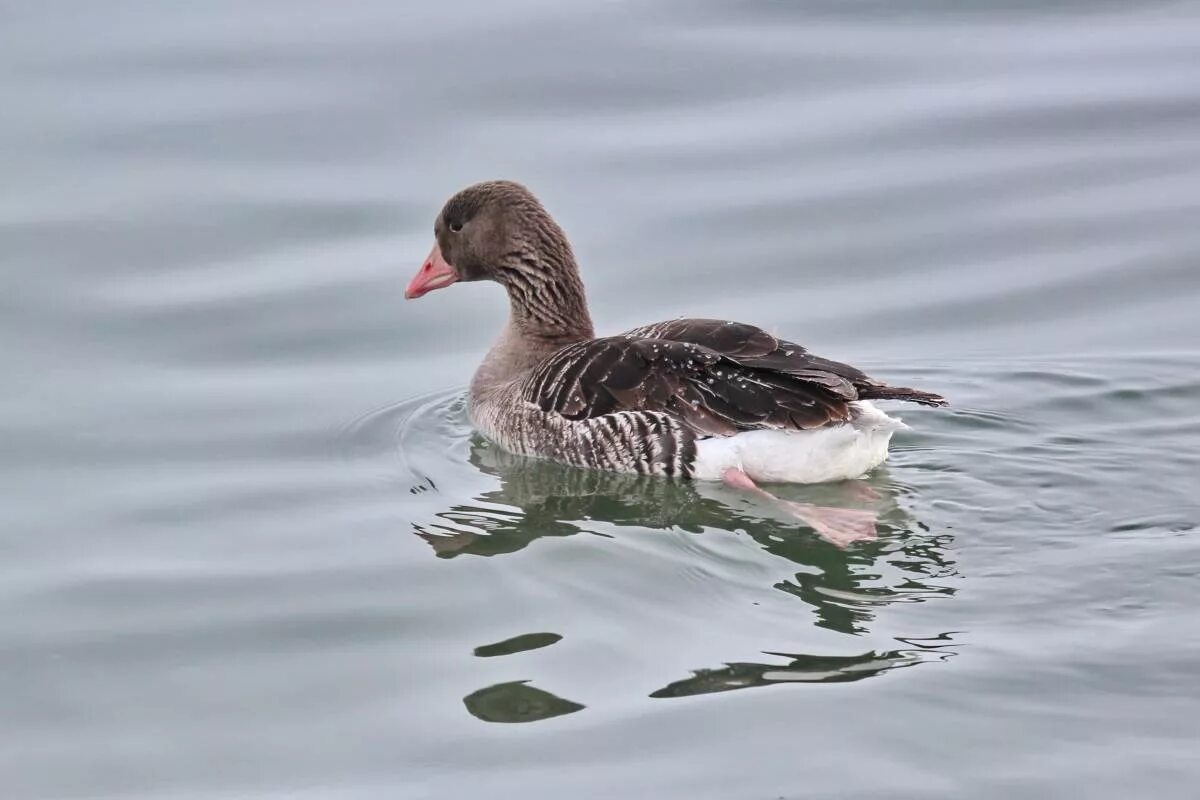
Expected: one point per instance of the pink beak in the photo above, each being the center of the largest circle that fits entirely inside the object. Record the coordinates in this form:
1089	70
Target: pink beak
434	274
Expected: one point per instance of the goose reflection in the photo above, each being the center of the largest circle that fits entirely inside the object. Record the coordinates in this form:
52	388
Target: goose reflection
845	588
803	668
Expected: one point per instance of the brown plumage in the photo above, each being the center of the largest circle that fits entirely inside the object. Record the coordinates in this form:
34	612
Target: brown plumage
719	377
638	401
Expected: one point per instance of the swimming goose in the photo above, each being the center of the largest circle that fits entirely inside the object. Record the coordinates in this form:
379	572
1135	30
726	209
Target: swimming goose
688	398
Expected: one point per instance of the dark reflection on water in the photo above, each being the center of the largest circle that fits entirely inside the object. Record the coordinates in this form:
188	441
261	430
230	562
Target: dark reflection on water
517	644
809	669
516	701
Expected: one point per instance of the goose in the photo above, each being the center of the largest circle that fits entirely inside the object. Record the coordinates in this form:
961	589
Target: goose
700	399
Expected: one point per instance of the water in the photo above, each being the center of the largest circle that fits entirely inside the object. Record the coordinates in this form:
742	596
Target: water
253	549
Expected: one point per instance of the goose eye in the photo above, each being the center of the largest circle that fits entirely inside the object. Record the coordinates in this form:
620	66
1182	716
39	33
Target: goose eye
456	226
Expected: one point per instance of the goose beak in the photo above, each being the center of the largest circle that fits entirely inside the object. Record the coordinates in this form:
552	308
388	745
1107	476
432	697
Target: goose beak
434	274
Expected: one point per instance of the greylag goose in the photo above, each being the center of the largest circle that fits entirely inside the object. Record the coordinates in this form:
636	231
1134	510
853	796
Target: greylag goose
688	398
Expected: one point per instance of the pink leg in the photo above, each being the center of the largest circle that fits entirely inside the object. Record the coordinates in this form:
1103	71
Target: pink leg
862	491
838	526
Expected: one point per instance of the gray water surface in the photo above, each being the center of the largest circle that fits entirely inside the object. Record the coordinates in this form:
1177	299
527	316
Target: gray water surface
253	549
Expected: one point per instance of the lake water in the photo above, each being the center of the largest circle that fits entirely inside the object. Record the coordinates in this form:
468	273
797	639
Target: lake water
252	549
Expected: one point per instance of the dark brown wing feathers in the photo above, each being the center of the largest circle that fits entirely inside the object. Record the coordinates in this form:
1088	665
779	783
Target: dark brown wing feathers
719	377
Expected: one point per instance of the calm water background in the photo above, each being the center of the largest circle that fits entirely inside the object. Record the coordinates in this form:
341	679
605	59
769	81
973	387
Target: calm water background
251	547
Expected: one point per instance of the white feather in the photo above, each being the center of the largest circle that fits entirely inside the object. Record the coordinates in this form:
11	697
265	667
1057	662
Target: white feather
832	453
